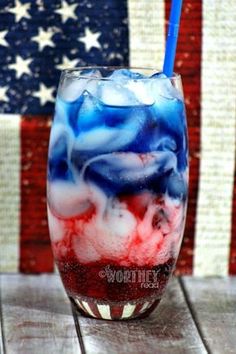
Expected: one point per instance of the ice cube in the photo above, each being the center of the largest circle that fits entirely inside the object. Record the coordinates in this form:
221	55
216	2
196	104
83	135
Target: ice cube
61	135
84	249
160	85
73	86
119	226
115	91
56	226
131	168
60	147
104	139
141	91
144	252
61	112
160	143
125	74
145	227
116	94
82	114
109	241
68	199
177	187
90	113
72	89
175	211
171	121
165	251
119	129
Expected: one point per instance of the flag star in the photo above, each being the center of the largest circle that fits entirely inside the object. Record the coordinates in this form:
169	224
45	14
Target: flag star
90	39
21	66
67	11
2	38
45	94
67	63
20	10
3	96
44	38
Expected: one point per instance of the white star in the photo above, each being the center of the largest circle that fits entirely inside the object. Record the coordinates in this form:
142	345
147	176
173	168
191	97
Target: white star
20	10
21	66
2	38
90	39
67	11
44	38
67	63
45	94
3	96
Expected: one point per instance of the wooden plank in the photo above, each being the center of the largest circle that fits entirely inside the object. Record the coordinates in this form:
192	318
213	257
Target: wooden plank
2	350
213	302
170	329
1	339
37	316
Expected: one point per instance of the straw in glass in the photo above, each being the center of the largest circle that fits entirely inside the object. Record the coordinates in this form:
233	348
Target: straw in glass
172	37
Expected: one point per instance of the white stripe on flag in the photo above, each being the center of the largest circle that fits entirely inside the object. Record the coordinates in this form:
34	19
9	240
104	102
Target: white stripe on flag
9	191
213	227
146	33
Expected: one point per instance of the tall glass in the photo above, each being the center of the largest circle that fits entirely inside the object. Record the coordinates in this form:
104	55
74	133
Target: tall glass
117	187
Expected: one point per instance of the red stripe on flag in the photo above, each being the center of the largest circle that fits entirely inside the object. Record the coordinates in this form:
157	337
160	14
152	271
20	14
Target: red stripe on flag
35	250
232	262
188	64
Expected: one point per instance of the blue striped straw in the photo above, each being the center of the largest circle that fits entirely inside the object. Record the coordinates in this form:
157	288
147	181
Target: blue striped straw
172	37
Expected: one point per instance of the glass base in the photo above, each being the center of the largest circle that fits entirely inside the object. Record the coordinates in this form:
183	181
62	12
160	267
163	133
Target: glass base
107	311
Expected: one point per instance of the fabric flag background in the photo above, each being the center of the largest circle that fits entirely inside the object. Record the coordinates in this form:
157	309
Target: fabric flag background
38	38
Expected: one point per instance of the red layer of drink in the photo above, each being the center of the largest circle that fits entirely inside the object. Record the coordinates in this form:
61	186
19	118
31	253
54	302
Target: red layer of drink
109	283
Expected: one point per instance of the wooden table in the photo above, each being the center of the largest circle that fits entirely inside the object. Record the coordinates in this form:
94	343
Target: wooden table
195	316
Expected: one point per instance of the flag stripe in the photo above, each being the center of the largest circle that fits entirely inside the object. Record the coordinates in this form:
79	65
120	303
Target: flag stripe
146	33
10	191
188	64
232	264
35	255
213	229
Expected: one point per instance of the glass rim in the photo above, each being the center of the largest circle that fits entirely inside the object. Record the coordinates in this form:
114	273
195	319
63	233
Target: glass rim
74	73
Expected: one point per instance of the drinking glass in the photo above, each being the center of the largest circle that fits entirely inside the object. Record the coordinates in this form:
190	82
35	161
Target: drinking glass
117	187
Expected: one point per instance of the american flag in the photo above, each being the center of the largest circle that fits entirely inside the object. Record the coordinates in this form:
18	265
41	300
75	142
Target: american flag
38	38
